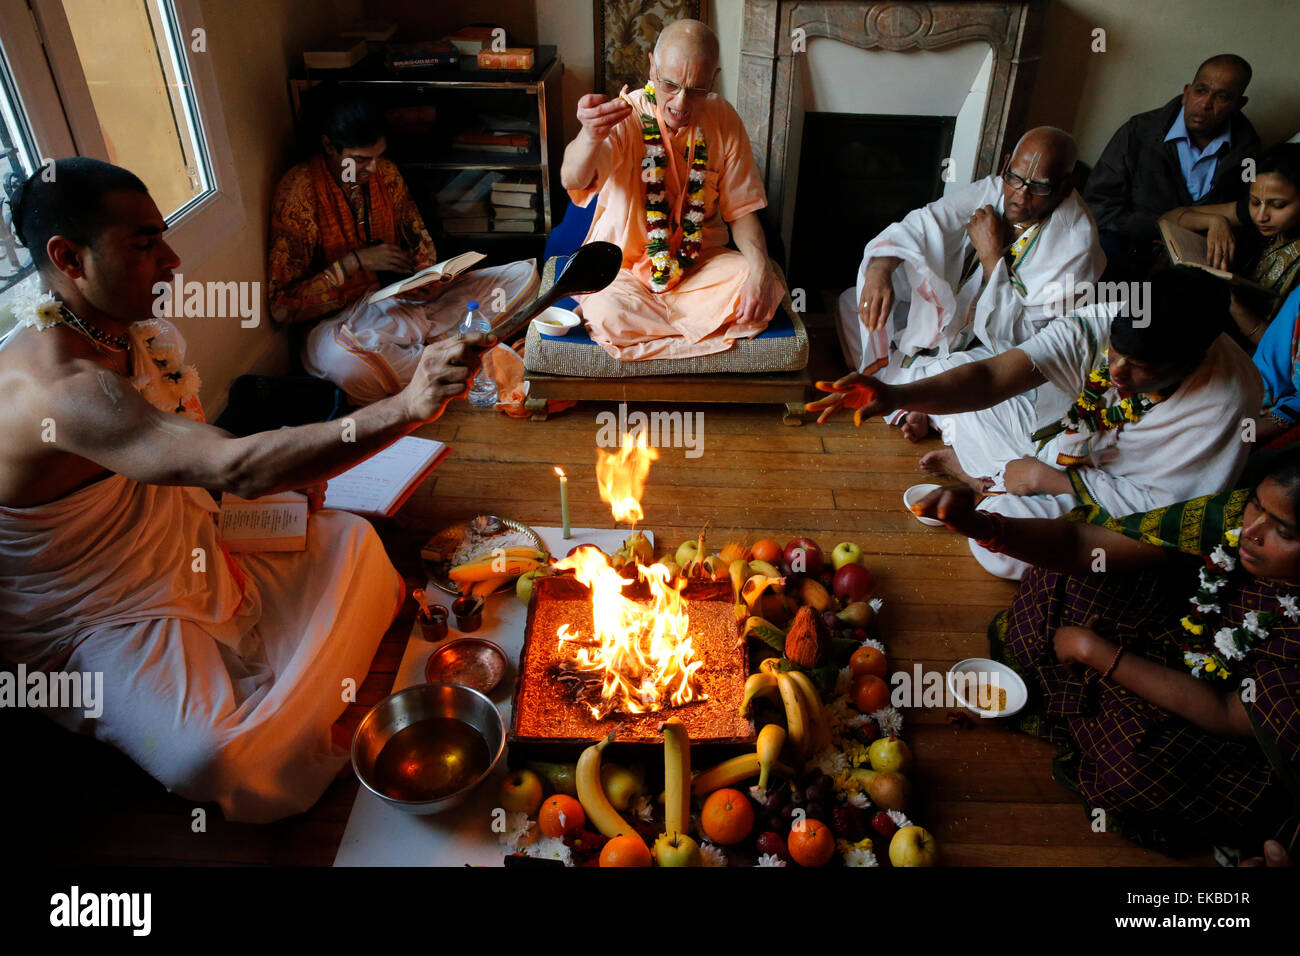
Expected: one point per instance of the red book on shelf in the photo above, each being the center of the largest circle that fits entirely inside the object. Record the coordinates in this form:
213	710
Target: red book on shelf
511	58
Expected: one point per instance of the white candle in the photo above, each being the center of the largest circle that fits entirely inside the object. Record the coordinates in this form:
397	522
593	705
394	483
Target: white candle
564	501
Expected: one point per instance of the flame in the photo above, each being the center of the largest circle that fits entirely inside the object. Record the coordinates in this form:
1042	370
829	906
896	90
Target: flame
642	649
621	476
559	471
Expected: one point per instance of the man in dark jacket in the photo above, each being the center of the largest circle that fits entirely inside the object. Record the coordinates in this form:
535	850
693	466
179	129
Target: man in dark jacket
1187	152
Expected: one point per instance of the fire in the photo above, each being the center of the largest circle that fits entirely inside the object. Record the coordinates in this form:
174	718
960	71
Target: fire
640	650
621	476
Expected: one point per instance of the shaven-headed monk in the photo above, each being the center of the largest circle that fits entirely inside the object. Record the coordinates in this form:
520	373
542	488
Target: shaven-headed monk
222	674
975	273
672	167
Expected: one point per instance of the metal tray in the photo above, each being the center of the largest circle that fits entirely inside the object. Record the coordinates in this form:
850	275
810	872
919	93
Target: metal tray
438	550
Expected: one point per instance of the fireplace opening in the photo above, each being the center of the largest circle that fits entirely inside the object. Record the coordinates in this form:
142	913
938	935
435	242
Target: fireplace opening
857	174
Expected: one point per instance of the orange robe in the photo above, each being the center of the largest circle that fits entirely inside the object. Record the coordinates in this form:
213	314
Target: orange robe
698	316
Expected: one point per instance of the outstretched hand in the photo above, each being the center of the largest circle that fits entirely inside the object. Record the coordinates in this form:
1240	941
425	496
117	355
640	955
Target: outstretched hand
865	394
954	505
445	368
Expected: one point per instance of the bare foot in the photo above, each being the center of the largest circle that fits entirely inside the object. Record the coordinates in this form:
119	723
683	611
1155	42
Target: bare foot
944	462
916	426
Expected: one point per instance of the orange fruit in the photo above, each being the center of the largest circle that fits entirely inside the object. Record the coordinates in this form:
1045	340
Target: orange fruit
869	693
869	660
811	843
767	550
557	806
727	816
625	850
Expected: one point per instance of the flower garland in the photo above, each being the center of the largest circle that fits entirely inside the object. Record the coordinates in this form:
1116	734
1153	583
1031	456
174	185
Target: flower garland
1212	658
1088	412
667	269
167	385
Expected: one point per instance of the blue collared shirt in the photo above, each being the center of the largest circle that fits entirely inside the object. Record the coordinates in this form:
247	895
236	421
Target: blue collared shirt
1198	164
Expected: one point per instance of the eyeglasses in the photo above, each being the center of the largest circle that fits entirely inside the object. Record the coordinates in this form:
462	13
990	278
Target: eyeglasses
671	89
1036	187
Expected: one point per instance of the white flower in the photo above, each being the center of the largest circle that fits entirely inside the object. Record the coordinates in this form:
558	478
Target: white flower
830	761
1195	661
190	382
843	681
657	233
770	859
1205	608
550	848
859	800
1209	583
889	720
644	808
1227	645
712	854
757	793
695	216
854	721
836	714
46	311
654	150
1251	623
517	827
876	605
858	857
1289	606
899	818
1222	559
870	642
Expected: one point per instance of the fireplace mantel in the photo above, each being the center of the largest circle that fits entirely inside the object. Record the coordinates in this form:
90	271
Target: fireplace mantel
765	100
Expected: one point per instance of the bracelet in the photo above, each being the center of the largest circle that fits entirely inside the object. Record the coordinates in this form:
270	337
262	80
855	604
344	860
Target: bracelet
996	542
1113	662
1258	325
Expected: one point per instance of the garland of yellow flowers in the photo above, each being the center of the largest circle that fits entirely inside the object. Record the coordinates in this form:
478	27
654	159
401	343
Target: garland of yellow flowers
1088	412
1211	658
665	267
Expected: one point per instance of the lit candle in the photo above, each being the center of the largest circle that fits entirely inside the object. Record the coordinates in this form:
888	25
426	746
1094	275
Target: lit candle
564	501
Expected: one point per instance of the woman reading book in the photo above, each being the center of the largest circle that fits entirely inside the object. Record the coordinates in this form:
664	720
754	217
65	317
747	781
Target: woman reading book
343	223
1170	683
1265	224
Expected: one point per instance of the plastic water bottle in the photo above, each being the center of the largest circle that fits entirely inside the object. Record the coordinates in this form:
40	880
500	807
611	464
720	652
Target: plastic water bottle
483	392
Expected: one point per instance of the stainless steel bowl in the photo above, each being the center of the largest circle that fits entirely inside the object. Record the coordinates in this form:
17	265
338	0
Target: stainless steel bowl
421	761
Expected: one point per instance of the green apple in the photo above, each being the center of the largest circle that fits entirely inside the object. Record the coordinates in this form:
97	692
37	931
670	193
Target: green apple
686	552
673	569
676	849
622	786
913	846
524	586
846	552
521	792
890	753
563	777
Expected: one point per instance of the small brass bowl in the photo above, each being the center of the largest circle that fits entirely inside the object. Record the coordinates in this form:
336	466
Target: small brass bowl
468	661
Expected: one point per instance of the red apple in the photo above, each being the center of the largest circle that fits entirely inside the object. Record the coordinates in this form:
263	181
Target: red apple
803	556
853	582
884	824
774	843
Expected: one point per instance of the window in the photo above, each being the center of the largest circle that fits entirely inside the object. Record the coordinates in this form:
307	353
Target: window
127	81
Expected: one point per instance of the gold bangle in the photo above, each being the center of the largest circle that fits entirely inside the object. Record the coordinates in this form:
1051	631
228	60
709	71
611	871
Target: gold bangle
1114	662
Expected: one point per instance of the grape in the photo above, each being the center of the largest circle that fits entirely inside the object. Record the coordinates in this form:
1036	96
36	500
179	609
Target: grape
773	821
849	823
798	798
815	793
828	783
807	777
775	800
815	811
787	812
831	620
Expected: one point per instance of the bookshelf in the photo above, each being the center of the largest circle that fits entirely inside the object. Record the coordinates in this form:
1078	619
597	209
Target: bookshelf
429	108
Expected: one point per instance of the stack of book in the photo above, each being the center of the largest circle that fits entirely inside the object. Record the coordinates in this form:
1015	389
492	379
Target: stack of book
463	205
514	207
492	141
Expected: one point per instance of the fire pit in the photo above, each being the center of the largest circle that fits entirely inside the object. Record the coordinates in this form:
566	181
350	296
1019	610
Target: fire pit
559	709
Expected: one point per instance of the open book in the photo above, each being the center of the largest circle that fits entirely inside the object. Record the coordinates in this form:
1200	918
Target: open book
1187	248
381	484
439	272
270	523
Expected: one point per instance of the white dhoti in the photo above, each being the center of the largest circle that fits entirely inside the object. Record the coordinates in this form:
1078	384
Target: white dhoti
222	675
372	351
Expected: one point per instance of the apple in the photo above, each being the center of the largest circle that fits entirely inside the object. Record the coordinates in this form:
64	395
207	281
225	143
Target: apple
524	586
890	753
521	792
773	843
913	846
852	583
676	849
622	786
686	552
884	824
803	556
846	552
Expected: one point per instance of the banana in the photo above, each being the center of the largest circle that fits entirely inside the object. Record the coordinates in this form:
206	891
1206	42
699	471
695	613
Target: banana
488	585
753	589
769	665
508	565
731	771
677	771
740	573
795	717
758	685
819	736
767	570
591	794
770	741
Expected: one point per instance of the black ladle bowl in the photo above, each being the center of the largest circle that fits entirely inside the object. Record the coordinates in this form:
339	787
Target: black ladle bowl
590	269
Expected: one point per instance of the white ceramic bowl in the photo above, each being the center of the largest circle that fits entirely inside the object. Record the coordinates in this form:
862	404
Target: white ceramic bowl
916	493
965	676
557	321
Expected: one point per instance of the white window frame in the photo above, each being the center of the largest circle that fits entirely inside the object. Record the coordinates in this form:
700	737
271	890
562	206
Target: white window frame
42	56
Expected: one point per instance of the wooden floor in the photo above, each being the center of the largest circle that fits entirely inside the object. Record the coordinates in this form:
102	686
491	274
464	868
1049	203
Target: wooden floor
987	792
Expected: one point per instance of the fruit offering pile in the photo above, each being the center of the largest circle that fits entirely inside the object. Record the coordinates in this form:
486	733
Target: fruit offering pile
827	781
